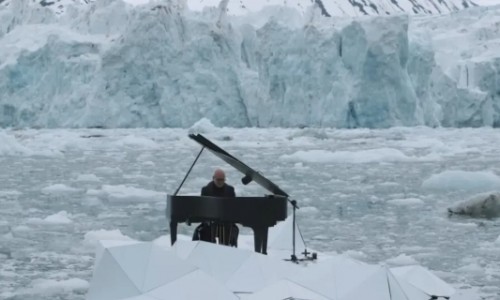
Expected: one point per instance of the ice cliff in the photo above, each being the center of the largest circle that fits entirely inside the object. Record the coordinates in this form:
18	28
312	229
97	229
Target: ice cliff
328	7
111	64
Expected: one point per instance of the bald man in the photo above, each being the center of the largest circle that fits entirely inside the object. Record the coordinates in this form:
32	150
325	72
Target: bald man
218	186
221	232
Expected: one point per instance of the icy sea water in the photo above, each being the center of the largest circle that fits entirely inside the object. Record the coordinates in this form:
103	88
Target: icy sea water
361	192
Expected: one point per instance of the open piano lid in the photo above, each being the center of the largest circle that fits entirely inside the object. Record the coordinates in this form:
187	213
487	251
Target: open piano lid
250	174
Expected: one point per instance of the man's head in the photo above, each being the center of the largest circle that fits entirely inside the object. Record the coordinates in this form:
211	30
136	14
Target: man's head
219	178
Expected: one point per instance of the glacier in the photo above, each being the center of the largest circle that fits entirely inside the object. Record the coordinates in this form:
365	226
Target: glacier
328	7
161	64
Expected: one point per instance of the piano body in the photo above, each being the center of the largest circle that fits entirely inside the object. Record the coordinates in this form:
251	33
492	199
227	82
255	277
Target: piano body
258	213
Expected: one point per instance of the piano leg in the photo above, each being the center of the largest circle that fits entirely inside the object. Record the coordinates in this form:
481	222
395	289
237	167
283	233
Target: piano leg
264	240
260	239
173	232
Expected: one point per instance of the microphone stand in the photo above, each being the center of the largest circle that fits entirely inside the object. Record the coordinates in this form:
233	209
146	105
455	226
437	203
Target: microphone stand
293	257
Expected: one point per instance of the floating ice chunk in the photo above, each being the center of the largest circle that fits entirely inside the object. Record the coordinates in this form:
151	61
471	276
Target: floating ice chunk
59	188
481	181
88	177
363	156
108	170
466	225
469	293
406	201
148	163
91	201
324	156
20	228
137	142
309	210
482	205
4	227
204	125
61	217
402	260
359	255
473	269
50	286
123	193
8	193
95	193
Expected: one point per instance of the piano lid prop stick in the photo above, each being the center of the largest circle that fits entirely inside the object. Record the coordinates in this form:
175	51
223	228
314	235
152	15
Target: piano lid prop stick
189	171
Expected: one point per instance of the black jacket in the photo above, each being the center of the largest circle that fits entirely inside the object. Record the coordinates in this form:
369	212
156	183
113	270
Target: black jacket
212	190
226	232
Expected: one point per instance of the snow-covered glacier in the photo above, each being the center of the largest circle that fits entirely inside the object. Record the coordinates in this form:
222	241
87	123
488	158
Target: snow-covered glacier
161	64
328	7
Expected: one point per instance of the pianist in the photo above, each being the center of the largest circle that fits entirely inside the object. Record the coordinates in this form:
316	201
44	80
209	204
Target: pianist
218	186
218	232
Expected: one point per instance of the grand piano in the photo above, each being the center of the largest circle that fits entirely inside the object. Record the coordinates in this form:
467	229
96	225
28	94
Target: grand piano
258	213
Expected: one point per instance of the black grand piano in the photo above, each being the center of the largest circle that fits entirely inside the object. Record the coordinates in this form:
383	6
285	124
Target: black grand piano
258	213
